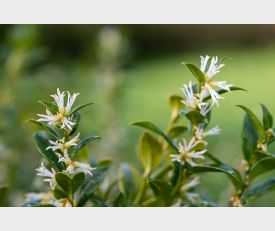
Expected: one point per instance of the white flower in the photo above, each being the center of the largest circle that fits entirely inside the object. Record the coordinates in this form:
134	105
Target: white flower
59	99
200	133
192	101
186	152
62	145
190	184
62	117
43	171
210	70
75	166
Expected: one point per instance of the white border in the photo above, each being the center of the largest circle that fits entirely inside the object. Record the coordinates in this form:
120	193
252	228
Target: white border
137	219
137	11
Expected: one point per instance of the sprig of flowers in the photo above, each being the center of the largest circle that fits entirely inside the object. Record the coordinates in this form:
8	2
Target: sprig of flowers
195	99
59	146
62	117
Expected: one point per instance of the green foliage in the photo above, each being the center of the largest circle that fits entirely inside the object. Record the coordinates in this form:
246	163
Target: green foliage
233	174
150	152
196	72
258	190
151	127
42	141
79	108
171	160
83	143
90	185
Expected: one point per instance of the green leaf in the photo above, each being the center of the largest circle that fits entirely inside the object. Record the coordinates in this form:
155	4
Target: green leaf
233	174
213	158
250	138
162	191
222	91
197	73
195	117
42	140
77	180
126	184
64	181
51	106
176	131
91	183
150	152
264	165
3	195
79	107
75	118
255	191
267	118
255	121
150	126
176	105
52	130
69	184
58	193
83	143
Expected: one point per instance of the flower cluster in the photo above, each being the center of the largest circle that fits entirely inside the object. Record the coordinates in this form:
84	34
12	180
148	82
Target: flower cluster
61	147
62	116
195	99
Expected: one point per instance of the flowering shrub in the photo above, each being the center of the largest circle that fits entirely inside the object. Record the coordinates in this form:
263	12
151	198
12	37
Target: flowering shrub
172	160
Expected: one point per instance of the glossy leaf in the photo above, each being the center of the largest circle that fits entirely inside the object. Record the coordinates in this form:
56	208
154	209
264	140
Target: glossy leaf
195	117
176	105
42	140
51	106
162	191
255	191
64	181
52	130
255	121
79	108
150	126
196	72
176	131
83	143
77	180
233	174
150	152
262	166
267	118
90	185
69	184
250	138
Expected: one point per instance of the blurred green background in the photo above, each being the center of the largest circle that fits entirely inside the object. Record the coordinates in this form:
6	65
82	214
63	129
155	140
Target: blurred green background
127	71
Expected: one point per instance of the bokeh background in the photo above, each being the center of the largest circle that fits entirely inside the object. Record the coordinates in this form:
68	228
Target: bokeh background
127	71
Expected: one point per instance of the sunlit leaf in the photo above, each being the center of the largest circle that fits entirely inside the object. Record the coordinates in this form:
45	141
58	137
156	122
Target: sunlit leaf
150	126
262	166
267	118
233	174
79	108
196	72
150	152
176	131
